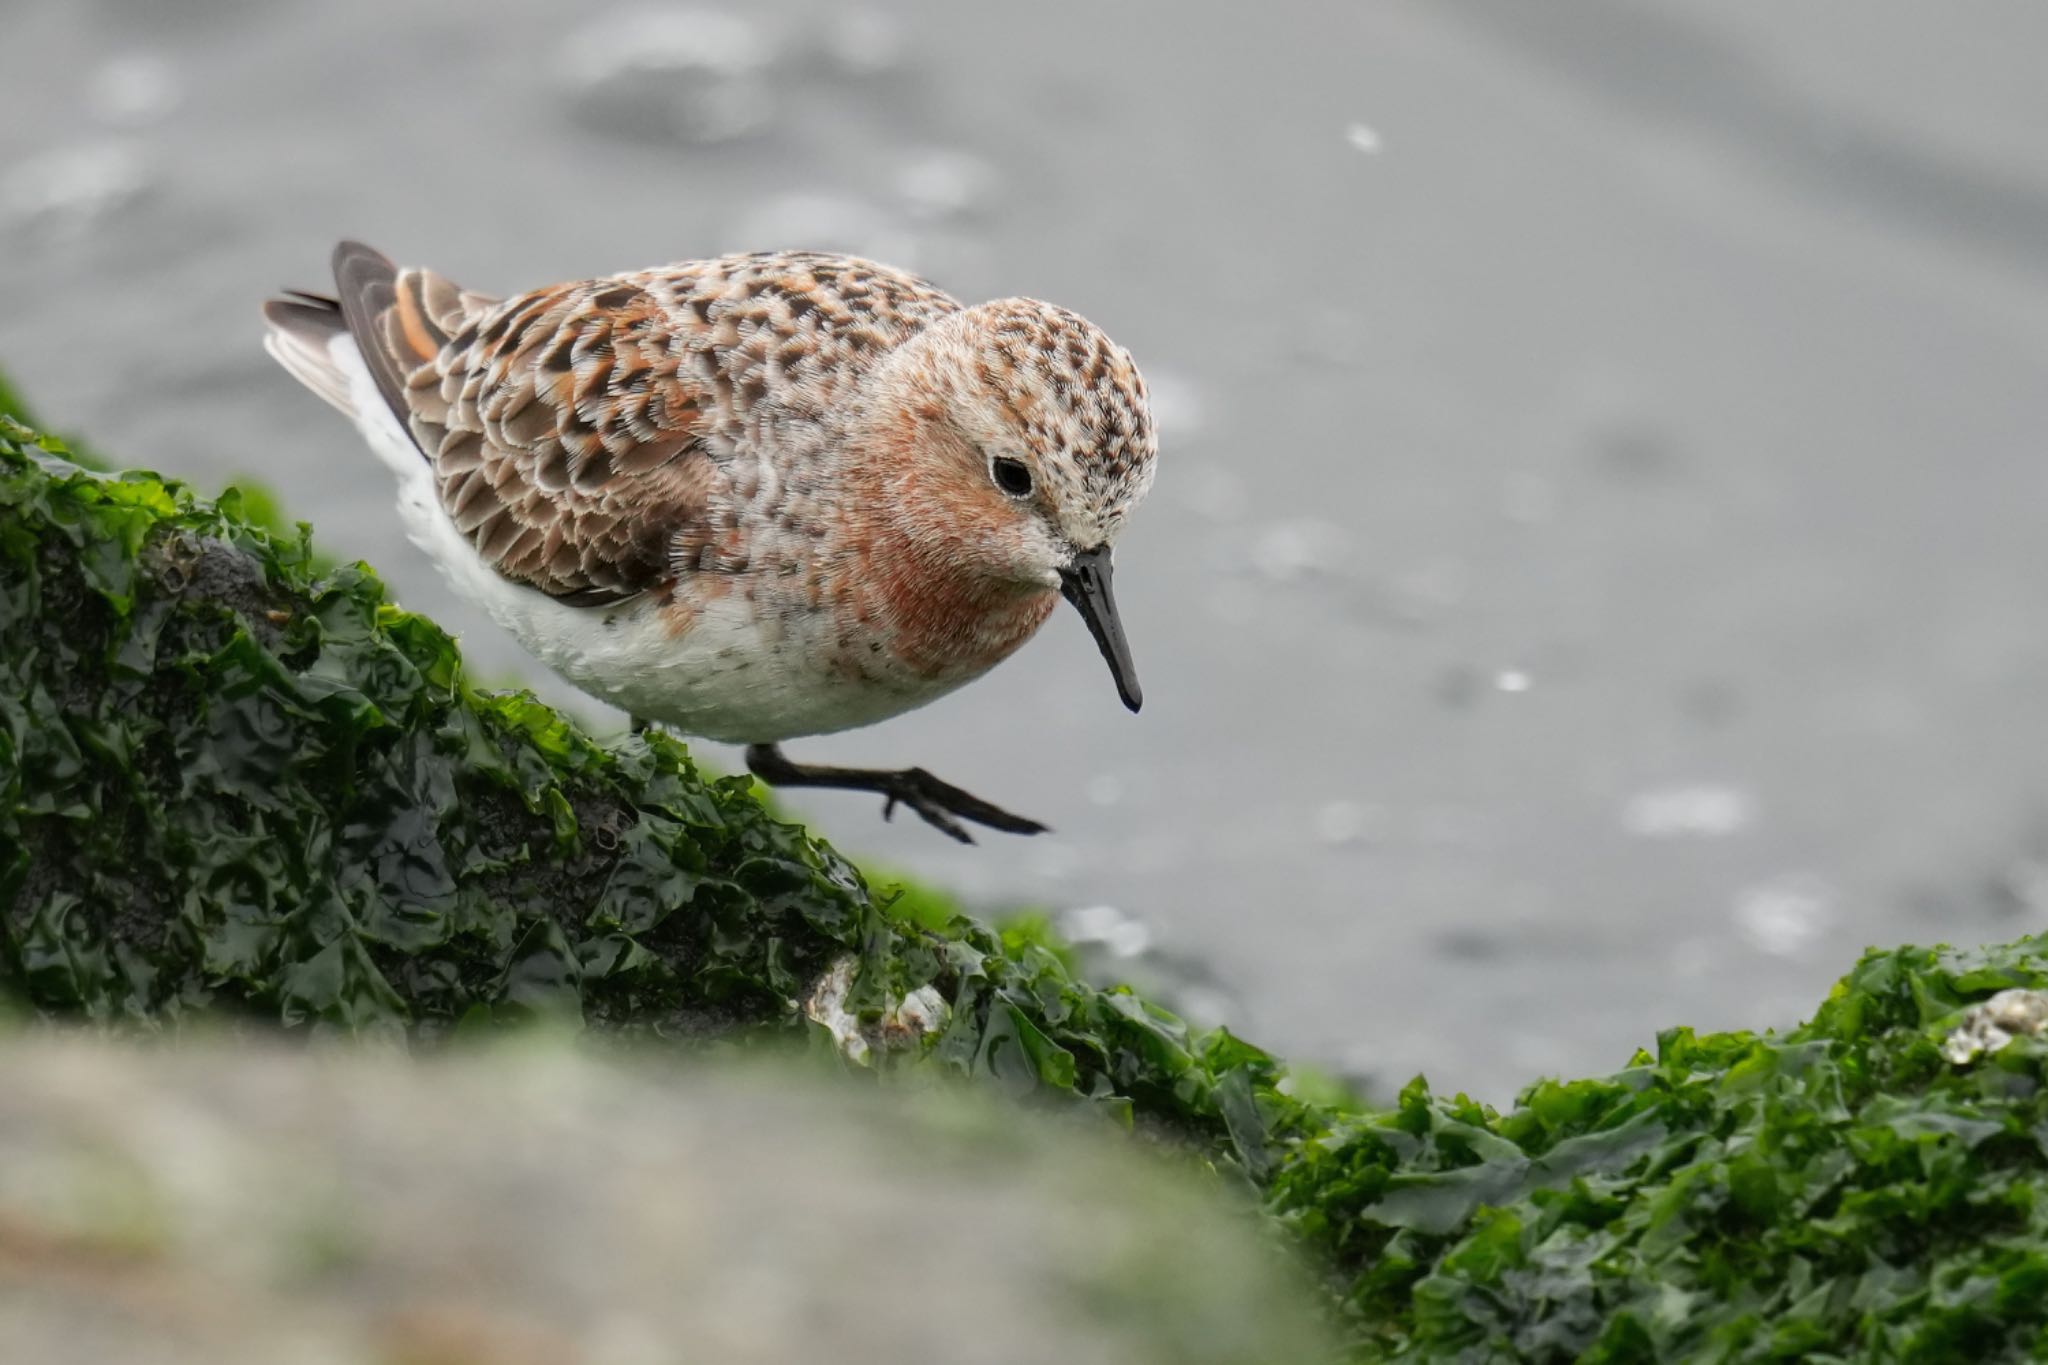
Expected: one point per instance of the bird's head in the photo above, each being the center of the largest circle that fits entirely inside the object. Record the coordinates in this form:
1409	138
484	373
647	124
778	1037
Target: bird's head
1025	440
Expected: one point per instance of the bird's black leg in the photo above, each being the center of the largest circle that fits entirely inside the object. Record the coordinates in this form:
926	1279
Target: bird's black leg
938	802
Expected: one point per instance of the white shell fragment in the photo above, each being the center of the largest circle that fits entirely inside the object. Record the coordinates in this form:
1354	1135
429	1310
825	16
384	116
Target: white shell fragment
903	1025
1996	1022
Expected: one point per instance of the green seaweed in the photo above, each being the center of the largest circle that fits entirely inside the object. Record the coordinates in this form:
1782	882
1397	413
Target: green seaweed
234	782
1836	1192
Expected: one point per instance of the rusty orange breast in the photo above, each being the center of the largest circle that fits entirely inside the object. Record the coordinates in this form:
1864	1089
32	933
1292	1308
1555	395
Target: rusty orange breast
927	589
943	622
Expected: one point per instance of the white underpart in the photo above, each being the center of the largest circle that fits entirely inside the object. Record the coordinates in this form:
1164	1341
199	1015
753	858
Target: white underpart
735	675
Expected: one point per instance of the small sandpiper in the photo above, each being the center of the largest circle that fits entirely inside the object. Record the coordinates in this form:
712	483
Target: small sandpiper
748	498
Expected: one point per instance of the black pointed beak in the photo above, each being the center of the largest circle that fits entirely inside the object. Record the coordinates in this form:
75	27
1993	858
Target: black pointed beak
1085	583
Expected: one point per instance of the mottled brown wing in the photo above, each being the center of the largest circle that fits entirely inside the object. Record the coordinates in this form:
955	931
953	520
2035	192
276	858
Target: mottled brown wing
564	440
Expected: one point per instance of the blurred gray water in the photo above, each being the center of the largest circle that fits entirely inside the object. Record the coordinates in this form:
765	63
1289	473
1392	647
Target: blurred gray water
1595	577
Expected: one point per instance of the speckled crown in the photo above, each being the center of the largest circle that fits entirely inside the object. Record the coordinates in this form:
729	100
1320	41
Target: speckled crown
1075	395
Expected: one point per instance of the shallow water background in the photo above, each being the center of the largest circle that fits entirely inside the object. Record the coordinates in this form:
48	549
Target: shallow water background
1598	573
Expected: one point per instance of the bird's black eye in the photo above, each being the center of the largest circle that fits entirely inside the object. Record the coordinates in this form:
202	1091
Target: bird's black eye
1012	476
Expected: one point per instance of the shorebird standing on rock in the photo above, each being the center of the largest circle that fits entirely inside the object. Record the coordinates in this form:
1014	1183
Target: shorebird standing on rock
749	498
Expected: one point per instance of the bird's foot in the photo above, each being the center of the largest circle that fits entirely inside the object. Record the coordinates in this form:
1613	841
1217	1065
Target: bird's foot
936	803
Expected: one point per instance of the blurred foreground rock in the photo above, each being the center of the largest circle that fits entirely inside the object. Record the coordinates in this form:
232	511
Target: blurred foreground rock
179	1205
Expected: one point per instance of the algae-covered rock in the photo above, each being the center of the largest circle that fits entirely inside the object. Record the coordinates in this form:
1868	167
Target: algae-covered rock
230	782
1845	1190
233	783
214	1206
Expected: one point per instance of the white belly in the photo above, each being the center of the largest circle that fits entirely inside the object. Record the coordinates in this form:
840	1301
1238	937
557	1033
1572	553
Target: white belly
728	677
732	676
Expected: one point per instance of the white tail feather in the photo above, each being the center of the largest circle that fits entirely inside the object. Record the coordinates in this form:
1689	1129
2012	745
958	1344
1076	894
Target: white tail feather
311	365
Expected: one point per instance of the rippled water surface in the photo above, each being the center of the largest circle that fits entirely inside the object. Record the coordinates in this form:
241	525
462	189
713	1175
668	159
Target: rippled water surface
1596	577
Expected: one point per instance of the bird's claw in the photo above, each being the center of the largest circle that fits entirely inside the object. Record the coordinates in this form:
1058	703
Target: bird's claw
936	803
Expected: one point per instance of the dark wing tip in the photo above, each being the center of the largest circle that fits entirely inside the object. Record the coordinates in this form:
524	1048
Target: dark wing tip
366	283
305	315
